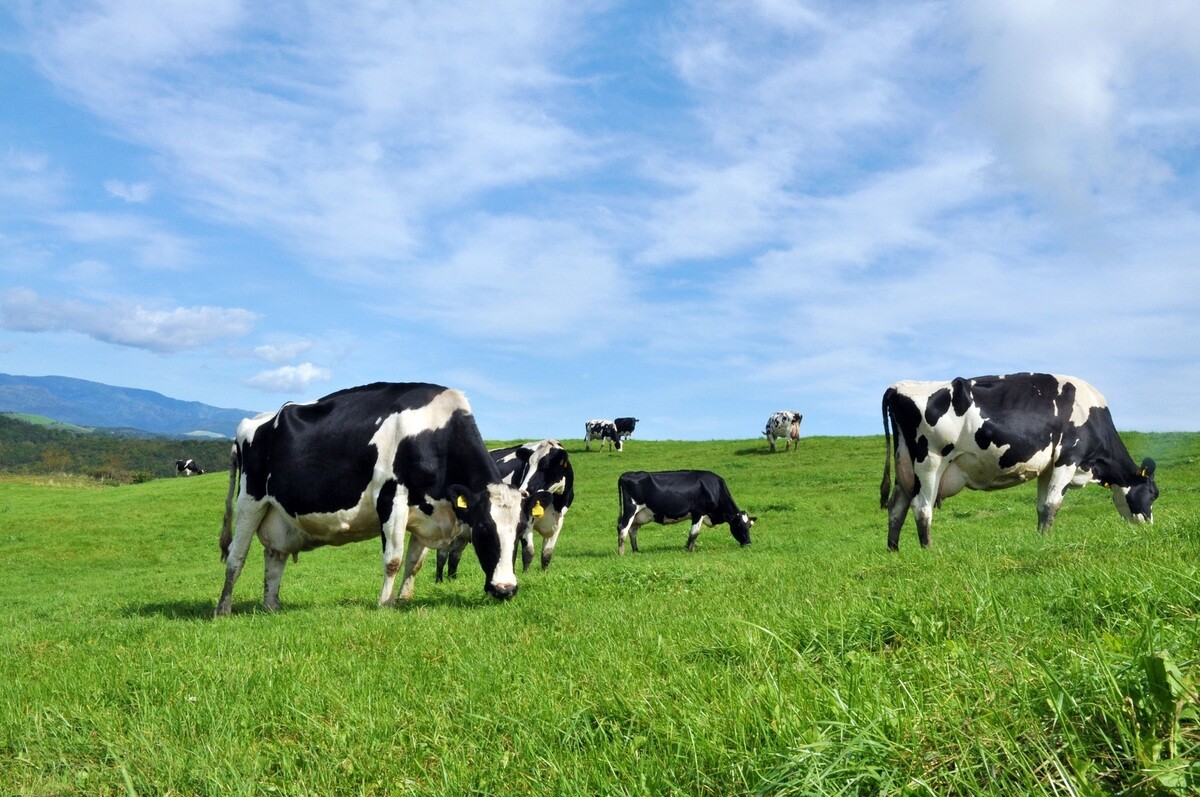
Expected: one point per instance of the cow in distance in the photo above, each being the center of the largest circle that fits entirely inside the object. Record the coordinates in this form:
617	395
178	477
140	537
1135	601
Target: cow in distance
699	497
784	425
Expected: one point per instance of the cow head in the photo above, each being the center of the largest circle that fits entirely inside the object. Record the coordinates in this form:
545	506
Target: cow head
496	518
1136	500
739	527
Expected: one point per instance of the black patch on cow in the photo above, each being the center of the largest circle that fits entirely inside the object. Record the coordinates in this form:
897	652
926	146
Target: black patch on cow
906	417
937	406
921	450
960	396
1019	411
383	504
946	449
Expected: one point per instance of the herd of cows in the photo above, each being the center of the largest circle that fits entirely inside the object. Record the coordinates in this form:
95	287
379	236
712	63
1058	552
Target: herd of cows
406	463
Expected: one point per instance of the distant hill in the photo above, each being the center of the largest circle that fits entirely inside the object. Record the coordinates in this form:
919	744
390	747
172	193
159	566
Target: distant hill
93	404
30	445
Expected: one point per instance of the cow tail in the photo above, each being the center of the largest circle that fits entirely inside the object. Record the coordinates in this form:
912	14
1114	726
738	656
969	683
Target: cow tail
885	486
227	523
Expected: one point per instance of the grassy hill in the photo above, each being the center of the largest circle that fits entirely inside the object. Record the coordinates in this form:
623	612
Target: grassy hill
1000	661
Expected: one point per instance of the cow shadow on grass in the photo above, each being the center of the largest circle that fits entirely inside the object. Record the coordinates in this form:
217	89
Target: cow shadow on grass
180	609
655	548
203	609
756	451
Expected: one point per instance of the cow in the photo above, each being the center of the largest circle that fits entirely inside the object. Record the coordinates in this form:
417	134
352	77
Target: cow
698	496
625	426
380	460
993	432
784	425
542	470
605	432
187	467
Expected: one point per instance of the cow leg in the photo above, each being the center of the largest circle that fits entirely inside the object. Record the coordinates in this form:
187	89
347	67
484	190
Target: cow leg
771	440
897	512
391	503
442	556
249	515
527	548
414	557
550	540
454	555
923	502
694	533
273	564
1052	486
626	525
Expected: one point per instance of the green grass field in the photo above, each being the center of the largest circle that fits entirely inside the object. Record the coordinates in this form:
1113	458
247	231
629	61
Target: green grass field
999	661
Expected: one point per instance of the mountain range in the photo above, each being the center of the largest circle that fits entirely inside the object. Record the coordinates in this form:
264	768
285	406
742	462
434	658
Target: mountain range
94	404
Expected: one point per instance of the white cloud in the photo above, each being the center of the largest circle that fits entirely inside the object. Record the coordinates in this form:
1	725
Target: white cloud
289	378
123	323
379	116
513	281
28	180
130	192
1069	88
148	244
282	352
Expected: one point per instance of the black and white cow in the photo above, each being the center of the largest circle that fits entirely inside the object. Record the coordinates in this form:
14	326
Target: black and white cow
542	471
187	467
625	426
380	460
993	432
605	432
784	425
673	496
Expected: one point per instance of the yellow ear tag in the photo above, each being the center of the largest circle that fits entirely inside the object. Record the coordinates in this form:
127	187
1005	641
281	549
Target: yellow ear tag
537	510
461	503
1143	472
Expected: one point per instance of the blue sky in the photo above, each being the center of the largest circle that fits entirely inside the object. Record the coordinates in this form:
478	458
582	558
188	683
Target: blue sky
696	213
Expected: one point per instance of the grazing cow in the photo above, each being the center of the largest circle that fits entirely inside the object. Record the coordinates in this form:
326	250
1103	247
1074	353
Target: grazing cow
993	432
784	425
674	496
368	462
625	426
604	431
542	470
187	467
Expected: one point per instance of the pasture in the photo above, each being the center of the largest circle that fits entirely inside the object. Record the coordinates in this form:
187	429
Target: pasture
999	661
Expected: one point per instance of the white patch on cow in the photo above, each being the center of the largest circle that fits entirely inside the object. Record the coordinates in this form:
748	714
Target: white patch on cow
506	514
407	423
1087	398
248	427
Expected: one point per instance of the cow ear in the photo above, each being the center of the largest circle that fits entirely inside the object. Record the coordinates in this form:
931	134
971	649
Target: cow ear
1148	466
459	500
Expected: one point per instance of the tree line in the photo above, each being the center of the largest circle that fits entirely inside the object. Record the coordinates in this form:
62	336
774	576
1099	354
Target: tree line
29	448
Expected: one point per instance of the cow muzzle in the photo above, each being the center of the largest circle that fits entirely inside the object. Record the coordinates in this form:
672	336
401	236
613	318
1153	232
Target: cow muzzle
501	592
